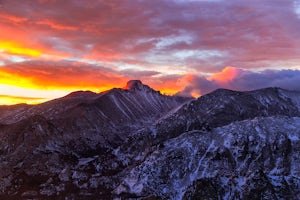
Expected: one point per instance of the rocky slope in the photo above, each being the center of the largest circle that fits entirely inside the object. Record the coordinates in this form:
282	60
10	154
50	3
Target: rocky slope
250	159
134	143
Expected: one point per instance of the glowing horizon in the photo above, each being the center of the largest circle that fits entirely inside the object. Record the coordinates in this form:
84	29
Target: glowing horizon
14	100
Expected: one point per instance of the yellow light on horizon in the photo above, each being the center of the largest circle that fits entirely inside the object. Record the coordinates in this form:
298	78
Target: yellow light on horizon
11	100
15	48
167	91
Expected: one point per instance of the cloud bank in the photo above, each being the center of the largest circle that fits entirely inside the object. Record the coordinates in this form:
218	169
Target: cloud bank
241	80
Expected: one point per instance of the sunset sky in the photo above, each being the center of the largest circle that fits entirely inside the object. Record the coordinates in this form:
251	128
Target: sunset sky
49	48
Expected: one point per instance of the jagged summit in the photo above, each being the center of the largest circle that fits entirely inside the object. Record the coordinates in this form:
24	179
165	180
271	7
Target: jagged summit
134	84
137	85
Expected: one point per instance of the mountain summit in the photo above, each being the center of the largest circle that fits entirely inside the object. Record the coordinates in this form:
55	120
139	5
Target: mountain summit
137	85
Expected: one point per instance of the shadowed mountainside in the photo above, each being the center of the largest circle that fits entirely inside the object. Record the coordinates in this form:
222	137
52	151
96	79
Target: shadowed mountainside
137	143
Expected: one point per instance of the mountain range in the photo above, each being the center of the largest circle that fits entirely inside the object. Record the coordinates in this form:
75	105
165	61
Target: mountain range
136	143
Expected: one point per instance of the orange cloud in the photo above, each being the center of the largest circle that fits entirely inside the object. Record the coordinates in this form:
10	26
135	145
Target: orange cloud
19	40
226	75
56	26
14	78
167	84
60	76
12	18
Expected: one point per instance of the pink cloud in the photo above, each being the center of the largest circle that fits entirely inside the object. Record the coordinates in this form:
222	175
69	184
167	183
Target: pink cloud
241	80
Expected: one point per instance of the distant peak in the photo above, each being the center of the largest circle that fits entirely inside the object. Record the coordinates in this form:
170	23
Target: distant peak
136	85
81	94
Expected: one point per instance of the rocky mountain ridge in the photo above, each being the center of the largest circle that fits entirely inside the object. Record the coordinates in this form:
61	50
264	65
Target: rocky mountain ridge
134	143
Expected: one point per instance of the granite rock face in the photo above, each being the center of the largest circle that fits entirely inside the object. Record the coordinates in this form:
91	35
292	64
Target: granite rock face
135	143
